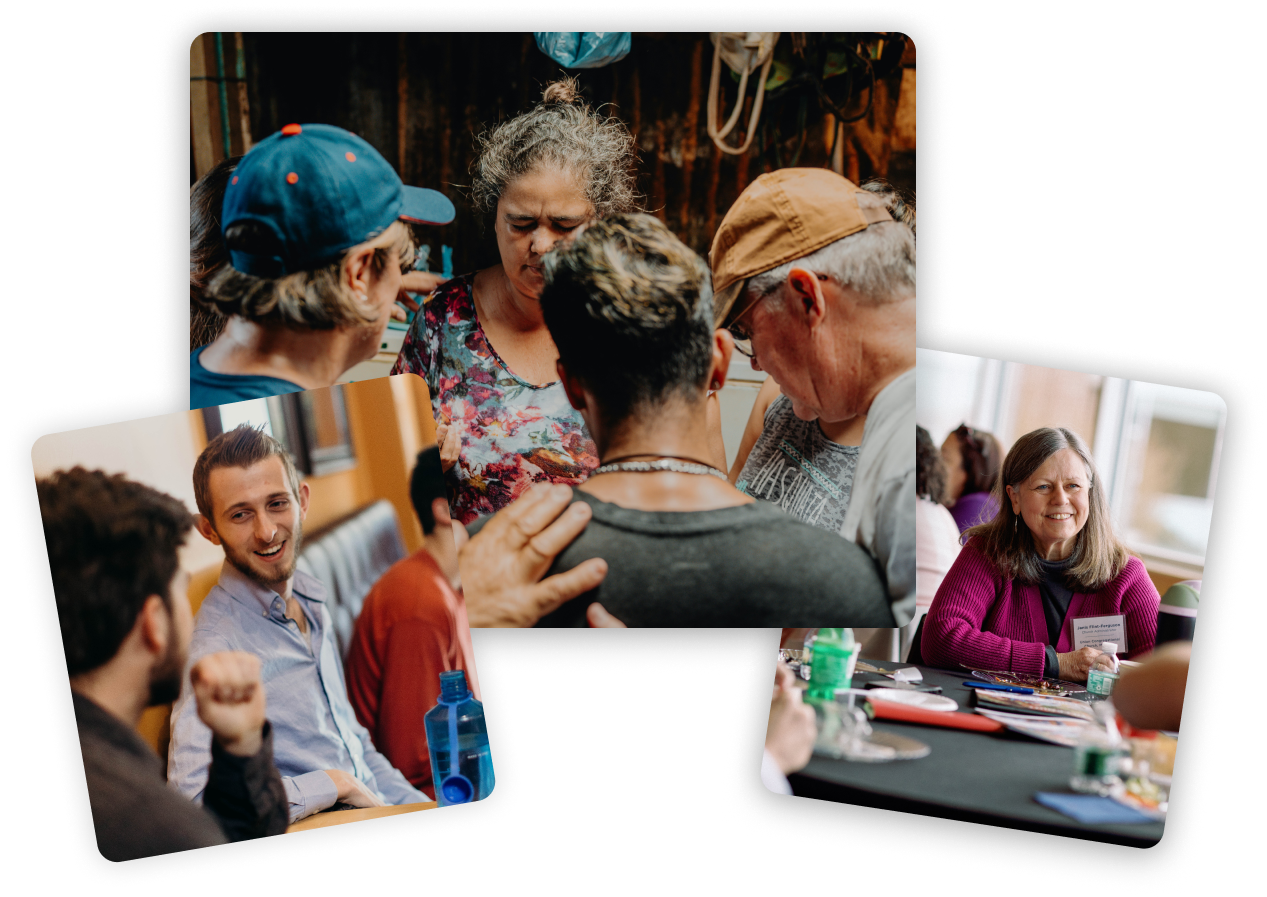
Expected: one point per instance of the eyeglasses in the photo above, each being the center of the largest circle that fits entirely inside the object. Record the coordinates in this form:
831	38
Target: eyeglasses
743	341
739	332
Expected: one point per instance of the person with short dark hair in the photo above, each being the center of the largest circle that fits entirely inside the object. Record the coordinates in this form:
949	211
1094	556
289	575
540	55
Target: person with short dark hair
1048	557
630	308
252	504
412	627
972	459
113	548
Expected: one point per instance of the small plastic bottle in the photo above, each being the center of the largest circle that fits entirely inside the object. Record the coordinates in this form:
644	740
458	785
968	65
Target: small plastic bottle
834	654
1097	759
457	742
807	652
1101	682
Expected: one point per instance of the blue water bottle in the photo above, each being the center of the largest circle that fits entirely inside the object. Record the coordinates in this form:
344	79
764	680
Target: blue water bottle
457	742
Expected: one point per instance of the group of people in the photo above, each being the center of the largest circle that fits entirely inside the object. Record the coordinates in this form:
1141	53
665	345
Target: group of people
1011	552
266	729
590	358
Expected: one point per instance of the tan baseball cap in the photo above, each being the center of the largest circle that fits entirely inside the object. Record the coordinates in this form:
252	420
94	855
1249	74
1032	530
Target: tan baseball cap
782	216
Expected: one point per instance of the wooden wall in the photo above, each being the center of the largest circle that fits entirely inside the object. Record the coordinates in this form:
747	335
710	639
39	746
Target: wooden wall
420	99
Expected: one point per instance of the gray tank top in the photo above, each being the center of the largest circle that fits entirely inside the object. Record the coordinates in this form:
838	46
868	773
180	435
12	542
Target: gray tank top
796	467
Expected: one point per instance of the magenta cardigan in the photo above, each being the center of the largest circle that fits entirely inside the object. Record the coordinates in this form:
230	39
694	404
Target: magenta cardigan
981	621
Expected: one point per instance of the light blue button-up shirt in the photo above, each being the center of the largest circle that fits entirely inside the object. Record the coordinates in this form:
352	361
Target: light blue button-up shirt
314	727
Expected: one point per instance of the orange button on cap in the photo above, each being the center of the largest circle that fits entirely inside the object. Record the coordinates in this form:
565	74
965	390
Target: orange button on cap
292	178
292	130
235	179
350	156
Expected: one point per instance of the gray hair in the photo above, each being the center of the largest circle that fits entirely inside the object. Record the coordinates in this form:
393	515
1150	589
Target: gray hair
561	130
878	262
314	300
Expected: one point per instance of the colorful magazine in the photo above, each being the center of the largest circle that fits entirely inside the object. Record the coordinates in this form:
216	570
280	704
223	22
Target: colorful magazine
1063	731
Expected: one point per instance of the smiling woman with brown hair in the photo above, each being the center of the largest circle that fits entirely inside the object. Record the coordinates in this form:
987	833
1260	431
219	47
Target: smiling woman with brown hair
1048	557
481	342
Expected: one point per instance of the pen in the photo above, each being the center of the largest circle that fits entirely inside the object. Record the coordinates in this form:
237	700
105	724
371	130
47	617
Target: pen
1016	689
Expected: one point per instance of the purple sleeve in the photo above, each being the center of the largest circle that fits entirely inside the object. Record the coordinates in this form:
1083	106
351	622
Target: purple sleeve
954	634
974	508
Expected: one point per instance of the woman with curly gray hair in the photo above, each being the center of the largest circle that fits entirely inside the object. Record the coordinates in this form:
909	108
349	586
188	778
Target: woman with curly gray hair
481	342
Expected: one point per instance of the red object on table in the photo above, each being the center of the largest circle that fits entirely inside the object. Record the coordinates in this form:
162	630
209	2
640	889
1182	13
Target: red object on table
903	713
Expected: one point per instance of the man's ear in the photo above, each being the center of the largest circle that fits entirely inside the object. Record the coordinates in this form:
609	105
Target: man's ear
440	512
303	501
723	351
205	528
808	290
572	386
154	625
358	270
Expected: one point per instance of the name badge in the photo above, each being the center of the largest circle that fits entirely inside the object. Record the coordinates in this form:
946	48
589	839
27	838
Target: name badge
1095	631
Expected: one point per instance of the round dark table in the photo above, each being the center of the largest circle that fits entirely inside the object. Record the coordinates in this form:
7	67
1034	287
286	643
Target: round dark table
989	778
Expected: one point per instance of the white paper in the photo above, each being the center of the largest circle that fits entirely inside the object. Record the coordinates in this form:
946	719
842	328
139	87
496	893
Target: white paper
1095	631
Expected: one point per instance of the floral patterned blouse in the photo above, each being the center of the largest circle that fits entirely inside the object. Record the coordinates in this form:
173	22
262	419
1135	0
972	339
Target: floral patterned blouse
513	433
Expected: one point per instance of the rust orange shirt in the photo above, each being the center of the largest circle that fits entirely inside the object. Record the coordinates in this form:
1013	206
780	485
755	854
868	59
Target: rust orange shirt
412	628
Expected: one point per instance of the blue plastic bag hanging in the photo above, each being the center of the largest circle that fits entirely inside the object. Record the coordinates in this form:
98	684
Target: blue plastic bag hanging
584	49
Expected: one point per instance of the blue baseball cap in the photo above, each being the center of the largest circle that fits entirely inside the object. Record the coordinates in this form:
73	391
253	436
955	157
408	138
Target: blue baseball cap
320	190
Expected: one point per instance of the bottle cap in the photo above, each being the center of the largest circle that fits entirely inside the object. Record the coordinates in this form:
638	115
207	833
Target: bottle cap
457	789
1109	647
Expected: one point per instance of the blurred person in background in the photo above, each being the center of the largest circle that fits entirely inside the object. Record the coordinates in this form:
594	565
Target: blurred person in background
481	342
1048	557
936	535
972	463
113	547
789	735
1150	696
412	627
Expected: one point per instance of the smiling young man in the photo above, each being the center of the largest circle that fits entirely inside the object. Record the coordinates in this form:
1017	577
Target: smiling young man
253	505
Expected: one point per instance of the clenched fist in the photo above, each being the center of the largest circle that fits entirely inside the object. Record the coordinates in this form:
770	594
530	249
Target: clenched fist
230	698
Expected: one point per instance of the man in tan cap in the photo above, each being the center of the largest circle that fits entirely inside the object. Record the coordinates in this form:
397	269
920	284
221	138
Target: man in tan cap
816	282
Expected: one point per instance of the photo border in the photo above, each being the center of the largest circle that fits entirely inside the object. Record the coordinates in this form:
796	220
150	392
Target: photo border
1176	859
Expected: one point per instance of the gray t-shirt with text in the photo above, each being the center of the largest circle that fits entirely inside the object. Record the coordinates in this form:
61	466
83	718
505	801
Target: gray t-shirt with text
793	465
